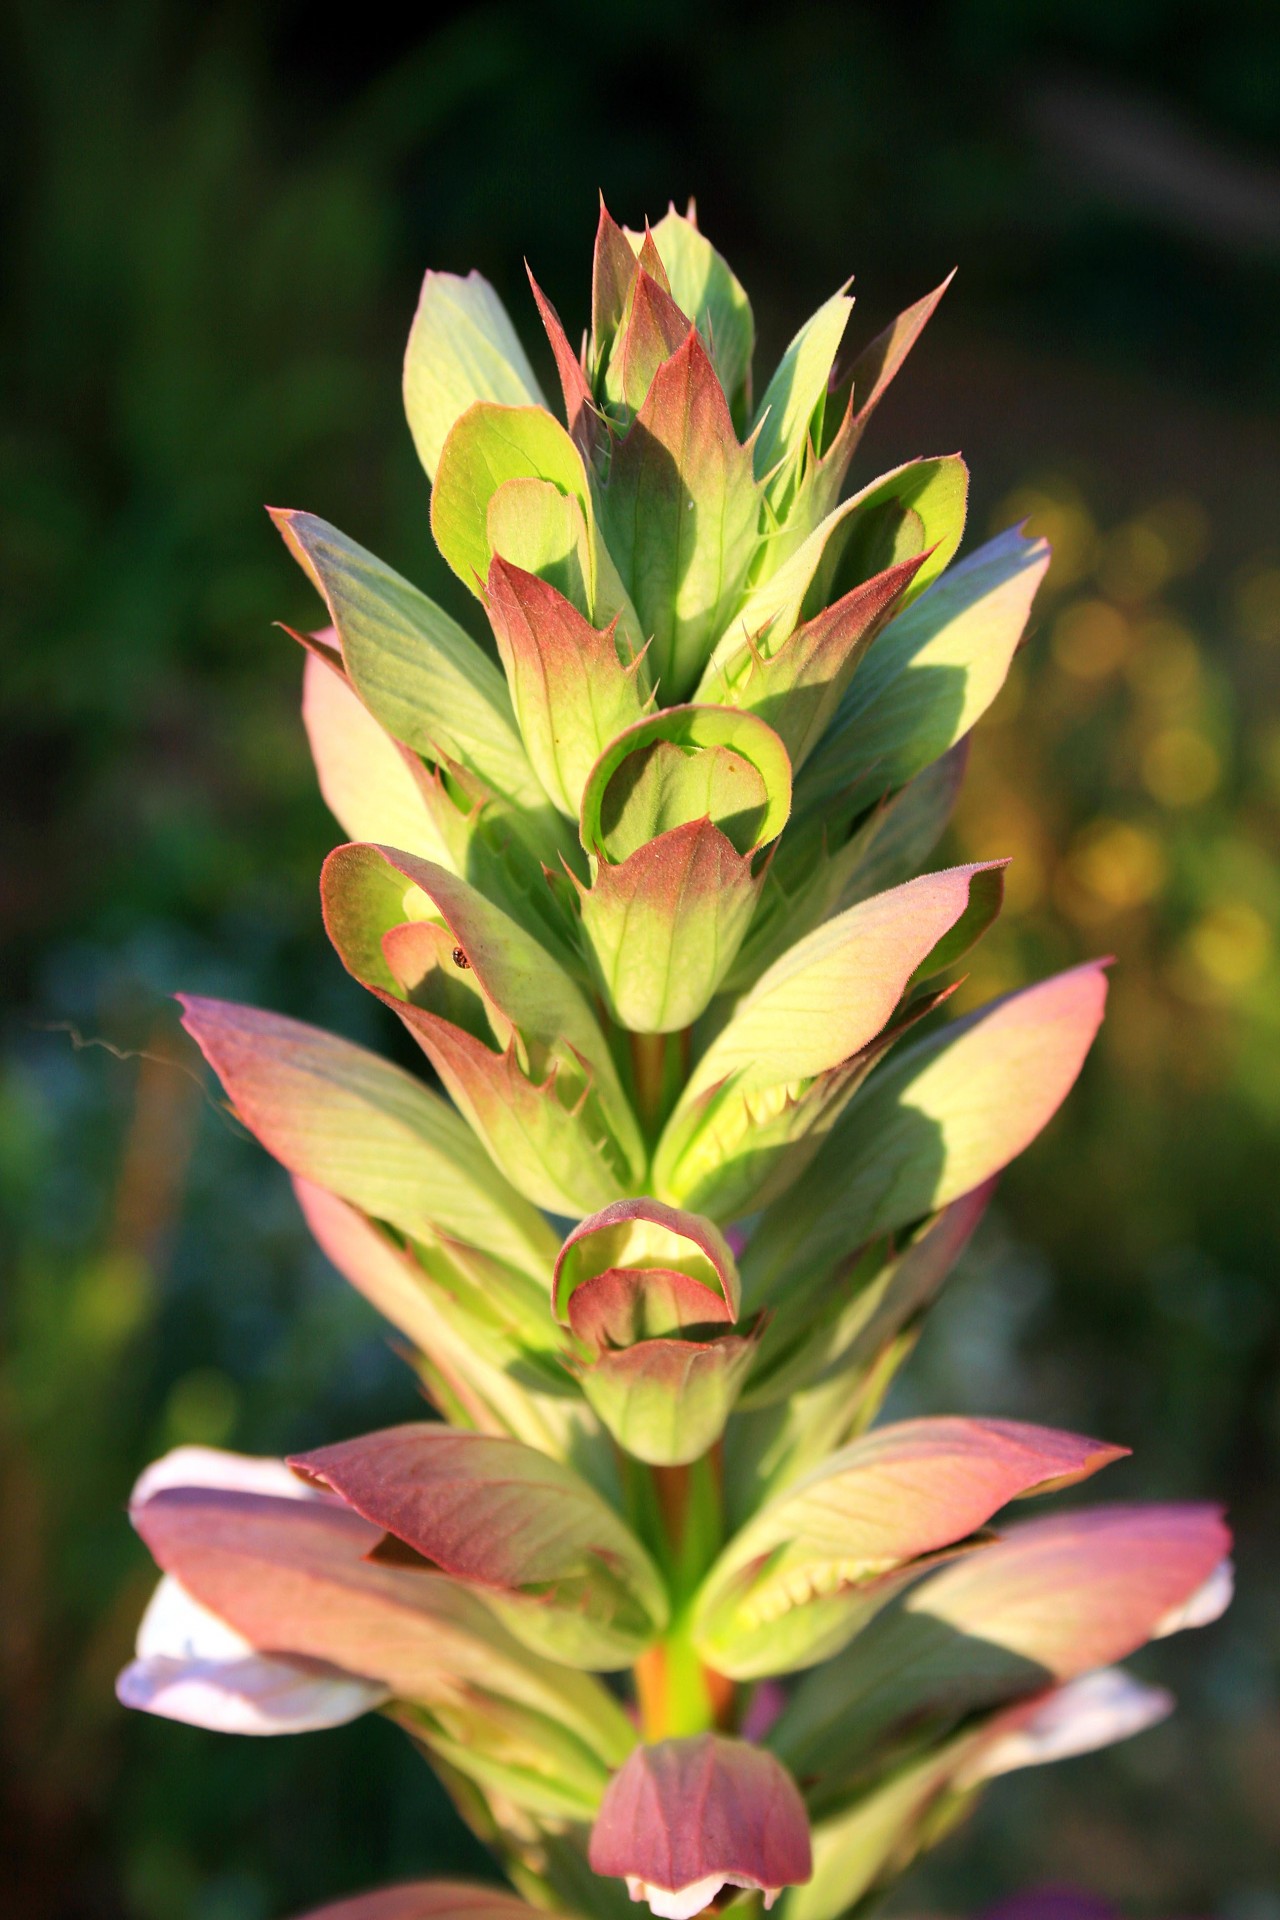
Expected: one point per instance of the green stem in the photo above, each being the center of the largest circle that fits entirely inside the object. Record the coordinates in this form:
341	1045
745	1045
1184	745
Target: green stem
677	1693
648	1073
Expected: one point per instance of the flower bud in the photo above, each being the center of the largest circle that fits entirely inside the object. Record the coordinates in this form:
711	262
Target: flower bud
651	1296
675	815
682	1819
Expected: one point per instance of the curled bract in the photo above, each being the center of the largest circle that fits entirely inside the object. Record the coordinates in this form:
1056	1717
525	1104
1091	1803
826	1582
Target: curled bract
651	1297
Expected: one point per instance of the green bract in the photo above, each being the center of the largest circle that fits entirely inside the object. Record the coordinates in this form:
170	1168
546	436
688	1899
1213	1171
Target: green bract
634	860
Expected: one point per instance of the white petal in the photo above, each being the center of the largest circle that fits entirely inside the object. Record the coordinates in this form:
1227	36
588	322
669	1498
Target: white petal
1094	1711
253	1694
1208	1603
680	1903
177	1627
232	1472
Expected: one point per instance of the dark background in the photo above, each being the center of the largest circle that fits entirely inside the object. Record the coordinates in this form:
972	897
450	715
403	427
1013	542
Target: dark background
215	221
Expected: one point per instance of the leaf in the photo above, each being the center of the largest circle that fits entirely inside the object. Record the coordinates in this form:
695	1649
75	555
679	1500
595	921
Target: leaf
340	1117
798	686
462	348
483	1328
663	926
903	832
813	875
642	1237
680	514
868	381
585	427
572	694
419	674
704	286
1054	1598
375	788
666	1401
794	1585
815	1008
613	270
877	1835
917	509
672	814
295	1576
821	1360
509	1032
932	674
560	1568
939	1119
653	326
784	422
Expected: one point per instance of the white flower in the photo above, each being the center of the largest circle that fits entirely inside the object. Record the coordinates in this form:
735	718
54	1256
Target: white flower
1208	1603
192	1666
1094	1711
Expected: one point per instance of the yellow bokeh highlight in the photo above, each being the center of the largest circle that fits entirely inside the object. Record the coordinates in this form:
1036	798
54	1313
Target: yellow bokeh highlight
1180	768
1112	867
1139	557
1090	639
1224	952
1164	664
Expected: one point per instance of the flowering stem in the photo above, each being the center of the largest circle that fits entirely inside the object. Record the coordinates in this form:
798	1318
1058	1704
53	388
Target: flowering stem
676	1693
648	1067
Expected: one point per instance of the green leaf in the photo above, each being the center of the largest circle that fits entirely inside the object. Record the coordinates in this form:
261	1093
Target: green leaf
806	1573
487	449
487	446
681	513
562	1571
666	1401
572	693
798	685
509	1032
704	735
375	788
864	1308
785	419
876	1836
419	674
672	814
462	348
529	1759
704	286
482	1326
917	509
340	1117
813	875
814	1010
939	1119
931	675
663	925
1051	1599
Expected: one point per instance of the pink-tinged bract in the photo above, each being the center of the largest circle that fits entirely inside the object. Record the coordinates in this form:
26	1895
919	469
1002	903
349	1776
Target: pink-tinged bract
683	1818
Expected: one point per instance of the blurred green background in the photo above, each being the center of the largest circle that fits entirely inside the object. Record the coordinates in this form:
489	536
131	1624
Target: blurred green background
215	220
